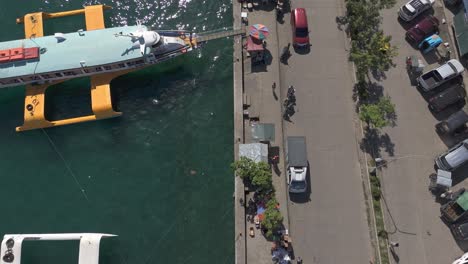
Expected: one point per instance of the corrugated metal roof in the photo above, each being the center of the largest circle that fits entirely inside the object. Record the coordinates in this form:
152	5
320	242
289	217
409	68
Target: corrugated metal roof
460	23
95	47
462	201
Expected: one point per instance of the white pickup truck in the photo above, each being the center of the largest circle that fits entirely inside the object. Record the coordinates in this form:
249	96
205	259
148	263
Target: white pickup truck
297	164
440	75
414	8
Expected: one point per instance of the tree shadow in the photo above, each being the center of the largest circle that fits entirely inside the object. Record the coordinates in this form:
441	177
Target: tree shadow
374	142
374	92
448	111
380	75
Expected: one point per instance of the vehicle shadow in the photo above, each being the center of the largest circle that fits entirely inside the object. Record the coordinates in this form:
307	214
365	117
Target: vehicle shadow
444	114
431	57
451	140
460	174
462	244
302	50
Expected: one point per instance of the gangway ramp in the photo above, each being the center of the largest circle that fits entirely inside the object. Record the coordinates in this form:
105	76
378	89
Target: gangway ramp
203	37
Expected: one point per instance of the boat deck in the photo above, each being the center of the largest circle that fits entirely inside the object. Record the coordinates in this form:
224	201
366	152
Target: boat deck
96	47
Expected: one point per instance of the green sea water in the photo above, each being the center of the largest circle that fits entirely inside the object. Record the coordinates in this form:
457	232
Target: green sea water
158	176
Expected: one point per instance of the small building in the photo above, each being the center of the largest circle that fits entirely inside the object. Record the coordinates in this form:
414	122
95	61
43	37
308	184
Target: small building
460	27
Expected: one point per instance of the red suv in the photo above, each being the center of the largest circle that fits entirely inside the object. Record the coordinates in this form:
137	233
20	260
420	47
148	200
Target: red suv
426	27
299	27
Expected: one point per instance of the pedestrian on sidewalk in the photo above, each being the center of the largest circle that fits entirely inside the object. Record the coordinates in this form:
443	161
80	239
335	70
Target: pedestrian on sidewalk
285	54
299	260
291	91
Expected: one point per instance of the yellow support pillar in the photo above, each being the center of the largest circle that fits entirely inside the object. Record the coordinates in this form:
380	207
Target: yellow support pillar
34	25
34	103
94	16
101	99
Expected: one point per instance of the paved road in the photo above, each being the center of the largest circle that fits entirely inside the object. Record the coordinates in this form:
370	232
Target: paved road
332	226
422	235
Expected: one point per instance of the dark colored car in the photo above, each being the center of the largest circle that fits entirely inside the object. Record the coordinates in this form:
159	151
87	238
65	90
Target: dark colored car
300	28
426	27
446	98
453	123
460	231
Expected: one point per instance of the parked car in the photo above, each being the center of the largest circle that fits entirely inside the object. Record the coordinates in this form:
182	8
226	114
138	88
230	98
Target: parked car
430	43
453	123
448	97
460	231
462	260
454	157
440	75
413	8
426	27
300	27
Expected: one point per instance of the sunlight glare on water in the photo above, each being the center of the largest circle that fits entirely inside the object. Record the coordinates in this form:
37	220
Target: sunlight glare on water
158	176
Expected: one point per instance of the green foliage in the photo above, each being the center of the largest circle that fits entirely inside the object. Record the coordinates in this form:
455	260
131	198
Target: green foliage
379	114
262	177
244	168
383	234
258	174
376	193
370	48
272	218
375	181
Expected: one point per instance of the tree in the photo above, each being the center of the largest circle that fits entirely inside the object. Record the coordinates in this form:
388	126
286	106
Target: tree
273	219
258	174
379	114
244	168
382	52
262	177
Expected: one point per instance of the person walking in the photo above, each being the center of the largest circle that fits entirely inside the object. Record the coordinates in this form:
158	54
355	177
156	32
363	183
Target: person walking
291	91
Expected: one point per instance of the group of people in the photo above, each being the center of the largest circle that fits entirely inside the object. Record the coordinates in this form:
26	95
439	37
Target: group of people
289	103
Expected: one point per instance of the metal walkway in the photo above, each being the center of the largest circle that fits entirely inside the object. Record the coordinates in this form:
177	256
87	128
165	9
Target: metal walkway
203	37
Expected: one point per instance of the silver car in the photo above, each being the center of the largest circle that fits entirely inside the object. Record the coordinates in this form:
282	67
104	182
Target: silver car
454	157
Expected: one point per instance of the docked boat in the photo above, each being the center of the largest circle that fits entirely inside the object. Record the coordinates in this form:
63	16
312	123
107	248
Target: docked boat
11	246
39	61
63	56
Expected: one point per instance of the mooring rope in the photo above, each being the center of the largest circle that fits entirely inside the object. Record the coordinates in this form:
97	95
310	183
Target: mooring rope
66	165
